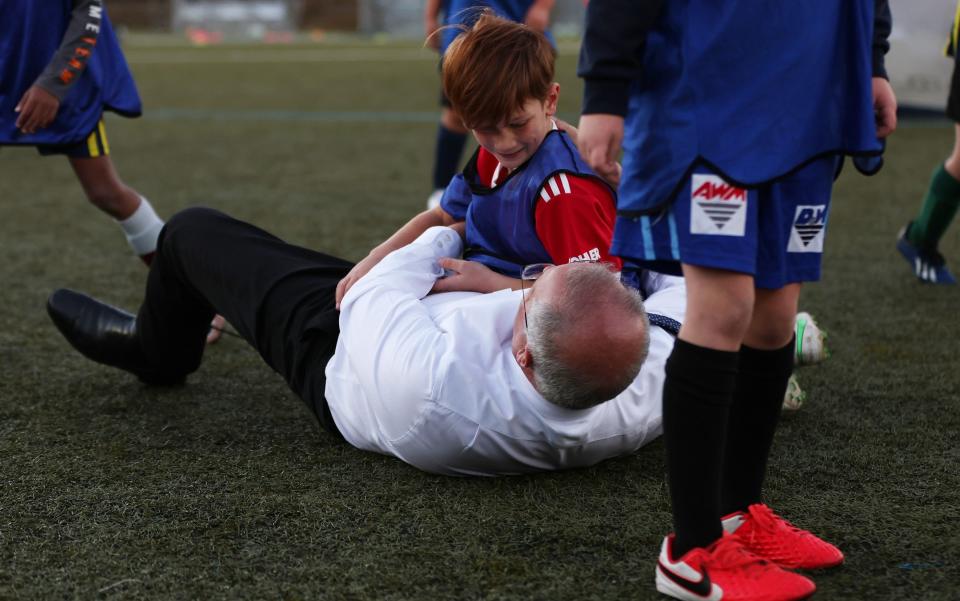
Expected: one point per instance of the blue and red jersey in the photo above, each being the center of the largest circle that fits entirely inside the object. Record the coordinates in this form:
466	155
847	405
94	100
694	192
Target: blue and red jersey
553	209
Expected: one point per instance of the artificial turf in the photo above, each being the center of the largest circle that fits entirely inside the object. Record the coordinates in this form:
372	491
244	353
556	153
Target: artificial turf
225	488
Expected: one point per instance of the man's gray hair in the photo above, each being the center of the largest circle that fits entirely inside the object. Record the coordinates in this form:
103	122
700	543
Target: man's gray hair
589	289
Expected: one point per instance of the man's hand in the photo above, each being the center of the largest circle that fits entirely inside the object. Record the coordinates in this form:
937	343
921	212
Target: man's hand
471	276
884	107
359	270
599	142
538	17
38	108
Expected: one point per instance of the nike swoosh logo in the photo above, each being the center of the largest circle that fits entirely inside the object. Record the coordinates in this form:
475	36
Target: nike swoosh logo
701	587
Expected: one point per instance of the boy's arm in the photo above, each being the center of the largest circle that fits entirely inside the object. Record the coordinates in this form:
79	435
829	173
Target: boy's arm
472	276
575	217
611	57
538	15
39	105
431	23
884	100
404	236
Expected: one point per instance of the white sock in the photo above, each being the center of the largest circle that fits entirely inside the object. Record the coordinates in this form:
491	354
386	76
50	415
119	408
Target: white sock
142	228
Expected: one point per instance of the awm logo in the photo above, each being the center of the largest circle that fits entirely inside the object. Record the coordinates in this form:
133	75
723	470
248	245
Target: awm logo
807	233
716	207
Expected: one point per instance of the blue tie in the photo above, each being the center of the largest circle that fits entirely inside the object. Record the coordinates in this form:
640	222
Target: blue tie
672	326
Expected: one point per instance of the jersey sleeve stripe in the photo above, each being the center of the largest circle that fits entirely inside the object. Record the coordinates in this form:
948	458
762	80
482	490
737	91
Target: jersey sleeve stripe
544	195
554	187
565	182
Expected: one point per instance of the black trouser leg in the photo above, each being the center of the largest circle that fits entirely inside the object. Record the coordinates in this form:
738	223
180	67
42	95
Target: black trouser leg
279	297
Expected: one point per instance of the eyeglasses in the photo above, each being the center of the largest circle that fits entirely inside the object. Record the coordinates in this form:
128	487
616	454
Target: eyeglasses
531	273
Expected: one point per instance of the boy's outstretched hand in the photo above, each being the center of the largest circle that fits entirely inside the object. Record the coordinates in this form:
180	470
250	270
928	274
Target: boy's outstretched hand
538	16
359	270
470	276
38	108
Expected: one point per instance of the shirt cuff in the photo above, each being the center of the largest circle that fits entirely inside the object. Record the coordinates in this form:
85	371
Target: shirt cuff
879	63
606	96
53	86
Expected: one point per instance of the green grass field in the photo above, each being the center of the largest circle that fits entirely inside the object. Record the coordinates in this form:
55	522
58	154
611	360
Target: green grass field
225	488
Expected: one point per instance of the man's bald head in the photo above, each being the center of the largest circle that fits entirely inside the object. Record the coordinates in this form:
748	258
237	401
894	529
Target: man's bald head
587	335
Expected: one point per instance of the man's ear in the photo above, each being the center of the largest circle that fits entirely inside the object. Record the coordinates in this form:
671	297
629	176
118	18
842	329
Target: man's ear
524	357
553	97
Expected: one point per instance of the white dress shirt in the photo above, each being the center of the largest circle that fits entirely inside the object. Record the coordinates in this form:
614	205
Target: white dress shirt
432	380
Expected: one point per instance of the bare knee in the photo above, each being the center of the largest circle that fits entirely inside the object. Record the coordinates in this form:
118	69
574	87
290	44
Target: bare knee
773	317
721	326
719	309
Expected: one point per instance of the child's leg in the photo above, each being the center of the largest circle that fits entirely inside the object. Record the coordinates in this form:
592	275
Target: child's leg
106	191
766	362
697	393
103	186
940	203
451	138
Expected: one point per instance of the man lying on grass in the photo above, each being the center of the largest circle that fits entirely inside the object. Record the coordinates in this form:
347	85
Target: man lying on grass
565	373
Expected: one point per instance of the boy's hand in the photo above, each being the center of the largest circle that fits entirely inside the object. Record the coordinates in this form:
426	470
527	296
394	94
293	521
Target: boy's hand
430	27
537	18
359	270
884	107
38	108
599	142
470	276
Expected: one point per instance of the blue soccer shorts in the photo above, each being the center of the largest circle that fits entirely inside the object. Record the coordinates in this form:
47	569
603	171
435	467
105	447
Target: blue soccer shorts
93	146
774	232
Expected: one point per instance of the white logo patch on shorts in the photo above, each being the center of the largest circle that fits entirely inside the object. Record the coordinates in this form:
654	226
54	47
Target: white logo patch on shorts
806	235
716	207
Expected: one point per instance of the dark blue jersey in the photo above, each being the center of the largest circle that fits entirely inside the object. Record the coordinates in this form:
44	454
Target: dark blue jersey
31	32
751	89
465	12
501	228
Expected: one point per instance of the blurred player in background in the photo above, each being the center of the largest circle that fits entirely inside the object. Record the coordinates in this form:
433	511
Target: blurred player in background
451	134
61	67
733	117
918	240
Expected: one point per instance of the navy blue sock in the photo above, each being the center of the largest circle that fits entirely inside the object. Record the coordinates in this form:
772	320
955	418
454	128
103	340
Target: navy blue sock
697	395
447	157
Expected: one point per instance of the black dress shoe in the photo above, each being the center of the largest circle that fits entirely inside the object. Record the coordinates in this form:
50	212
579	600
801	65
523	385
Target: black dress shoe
104	334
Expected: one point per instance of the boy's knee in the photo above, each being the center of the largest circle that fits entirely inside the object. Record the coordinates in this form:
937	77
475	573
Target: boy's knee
772	332
718	325
733	322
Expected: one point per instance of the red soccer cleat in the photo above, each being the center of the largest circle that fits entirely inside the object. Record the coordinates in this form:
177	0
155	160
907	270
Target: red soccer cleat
725	571
771	537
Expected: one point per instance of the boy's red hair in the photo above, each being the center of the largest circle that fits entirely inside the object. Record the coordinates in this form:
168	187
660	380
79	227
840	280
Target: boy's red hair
493	68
